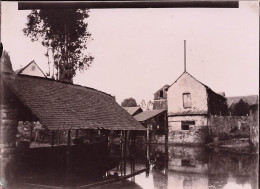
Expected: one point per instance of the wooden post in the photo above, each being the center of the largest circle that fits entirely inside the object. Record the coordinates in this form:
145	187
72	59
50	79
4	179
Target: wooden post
125	141
90	135
52	138
31	133
121	138
126	134
147	134
58	137
166	131
86	134
68	153
77	134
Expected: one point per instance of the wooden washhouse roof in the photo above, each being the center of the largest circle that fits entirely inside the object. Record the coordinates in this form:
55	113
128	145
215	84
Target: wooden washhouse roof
60	105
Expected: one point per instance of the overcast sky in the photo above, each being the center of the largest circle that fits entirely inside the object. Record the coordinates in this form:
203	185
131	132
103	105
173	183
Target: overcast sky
137	51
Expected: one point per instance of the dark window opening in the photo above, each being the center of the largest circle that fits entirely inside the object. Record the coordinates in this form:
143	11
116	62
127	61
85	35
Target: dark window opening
161	93
185	127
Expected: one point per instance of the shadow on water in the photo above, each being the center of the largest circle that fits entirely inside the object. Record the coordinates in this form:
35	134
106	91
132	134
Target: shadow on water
178	167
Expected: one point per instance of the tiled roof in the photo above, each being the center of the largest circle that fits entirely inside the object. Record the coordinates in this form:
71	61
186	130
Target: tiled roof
61	105
251	99
132	110
143	116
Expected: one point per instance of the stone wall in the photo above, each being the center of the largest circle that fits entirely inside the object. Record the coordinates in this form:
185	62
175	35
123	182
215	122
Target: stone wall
254	132
196	135
174	123
236	126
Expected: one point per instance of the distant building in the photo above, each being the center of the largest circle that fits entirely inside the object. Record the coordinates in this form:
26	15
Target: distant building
133	110
31	69
251	100
190	103
160	98
155	121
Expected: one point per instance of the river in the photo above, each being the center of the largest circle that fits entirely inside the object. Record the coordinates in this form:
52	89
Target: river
178	167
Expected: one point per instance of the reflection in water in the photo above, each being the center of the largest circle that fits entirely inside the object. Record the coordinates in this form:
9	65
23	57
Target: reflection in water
174	167
196	167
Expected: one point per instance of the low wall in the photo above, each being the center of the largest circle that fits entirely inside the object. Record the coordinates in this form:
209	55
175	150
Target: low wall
232	126
228	127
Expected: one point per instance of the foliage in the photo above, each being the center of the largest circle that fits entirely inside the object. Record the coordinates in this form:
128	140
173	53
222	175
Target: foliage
1	49
148	106
241	108
129	102
65	33
6	64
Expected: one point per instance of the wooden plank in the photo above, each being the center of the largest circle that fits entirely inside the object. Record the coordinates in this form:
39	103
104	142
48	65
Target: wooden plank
113	180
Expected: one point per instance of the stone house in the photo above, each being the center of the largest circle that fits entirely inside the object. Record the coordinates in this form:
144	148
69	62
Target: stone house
190	104
155	122
160	98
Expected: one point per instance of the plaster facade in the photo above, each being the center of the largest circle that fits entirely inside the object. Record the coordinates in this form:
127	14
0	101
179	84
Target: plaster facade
33	70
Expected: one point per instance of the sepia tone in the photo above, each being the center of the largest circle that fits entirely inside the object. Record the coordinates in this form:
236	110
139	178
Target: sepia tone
184	134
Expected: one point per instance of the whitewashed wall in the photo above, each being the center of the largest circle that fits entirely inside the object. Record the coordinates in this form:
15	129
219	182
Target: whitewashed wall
32	70
187	84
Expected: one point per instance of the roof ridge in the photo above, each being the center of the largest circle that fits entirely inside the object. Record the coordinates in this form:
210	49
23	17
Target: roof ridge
72	84
207	87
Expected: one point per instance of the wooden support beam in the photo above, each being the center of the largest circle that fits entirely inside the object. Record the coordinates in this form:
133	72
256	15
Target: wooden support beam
125	135
166	131
90	135
77	134
147	134
58	137
68	154
113	180
31	133
86	134
52	138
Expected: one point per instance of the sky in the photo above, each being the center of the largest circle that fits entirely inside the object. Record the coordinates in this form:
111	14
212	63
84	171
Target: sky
137	51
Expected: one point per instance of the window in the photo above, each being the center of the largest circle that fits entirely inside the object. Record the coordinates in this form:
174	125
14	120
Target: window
161	93
185	125
186	100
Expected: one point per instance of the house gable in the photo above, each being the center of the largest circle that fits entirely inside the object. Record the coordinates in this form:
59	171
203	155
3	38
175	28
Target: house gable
187	96
31	69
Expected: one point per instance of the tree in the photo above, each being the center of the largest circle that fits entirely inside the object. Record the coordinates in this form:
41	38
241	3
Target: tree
241	108
64	32
129	102
148	106
6	65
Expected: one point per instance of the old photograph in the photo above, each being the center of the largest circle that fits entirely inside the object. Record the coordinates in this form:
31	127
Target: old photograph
129	94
